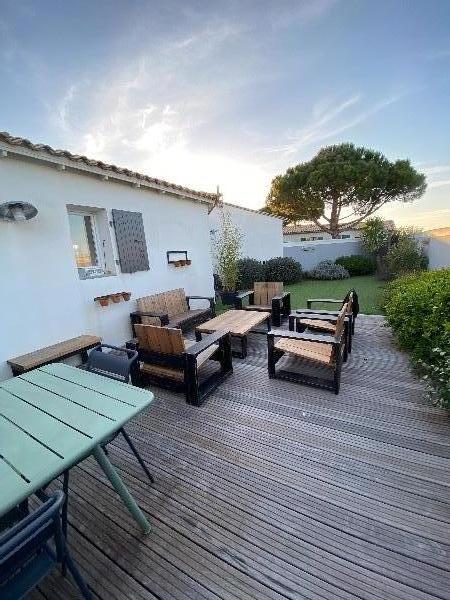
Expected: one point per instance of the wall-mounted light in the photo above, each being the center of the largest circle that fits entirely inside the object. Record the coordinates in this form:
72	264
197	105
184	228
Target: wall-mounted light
17	211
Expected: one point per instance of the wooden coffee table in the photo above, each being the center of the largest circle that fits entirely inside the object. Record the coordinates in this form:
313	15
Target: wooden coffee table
239	323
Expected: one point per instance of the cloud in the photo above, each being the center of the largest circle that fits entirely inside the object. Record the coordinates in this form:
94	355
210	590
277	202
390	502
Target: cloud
439	183
329	122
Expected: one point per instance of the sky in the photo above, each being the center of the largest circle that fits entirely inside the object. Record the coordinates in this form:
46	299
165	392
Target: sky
231	93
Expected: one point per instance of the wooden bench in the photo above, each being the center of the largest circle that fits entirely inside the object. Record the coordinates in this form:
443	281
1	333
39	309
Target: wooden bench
54	353
172	309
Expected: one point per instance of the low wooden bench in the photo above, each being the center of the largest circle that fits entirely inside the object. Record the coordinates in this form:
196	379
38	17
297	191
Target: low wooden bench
56	352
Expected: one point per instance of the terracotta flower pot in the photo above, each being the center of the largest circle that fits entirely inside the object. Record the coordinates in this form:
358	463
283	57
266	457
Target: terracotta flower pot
116	298
126	296
188	262
178	263
103	301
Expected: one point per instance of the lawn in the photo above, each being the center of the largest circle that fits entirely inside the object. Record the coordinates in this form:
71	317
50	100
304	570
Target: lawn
368	288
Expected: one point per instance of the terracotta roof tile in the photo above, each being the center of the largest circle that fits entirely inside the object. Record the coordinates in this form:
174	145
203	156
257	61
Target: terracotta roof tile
78	158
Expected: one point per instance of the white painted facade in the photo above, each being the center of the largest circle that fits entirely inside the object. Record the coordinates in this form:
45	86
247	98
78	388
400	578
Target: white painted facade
42	298
262	236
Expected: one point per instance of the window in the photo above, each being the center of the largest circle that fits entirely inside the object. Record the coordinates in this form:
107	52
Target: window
84	239
345	236
91	241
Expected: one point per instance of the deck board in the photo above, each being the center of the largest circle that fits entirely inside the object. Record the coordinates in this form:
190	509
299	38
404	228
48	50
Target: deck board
274	490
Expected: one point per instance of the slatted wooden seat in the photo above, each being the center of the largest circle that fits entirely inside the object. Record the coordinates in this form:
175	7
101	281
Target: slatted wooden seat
56	352
267	296
324	321
312	351
171	308
320	350
169	360
350	298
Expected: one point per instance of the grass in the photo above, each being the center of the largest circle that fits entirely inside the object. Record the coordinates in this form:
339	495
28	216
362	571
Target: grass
368	288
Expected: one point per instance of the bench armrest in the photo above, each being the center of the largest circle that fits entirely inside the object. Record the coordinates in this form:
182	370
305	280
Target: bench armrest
314	316
313	311
206	342
307	337
211	300
136	317
282	296
250	294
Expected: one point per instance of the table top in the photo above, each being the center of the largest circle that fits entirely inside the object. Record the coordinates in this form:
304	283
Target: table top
53	417
54	352
237	322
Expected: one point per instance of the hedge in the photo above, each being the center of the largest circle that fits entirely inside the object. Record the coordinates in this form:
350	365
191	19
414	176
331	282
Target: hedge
418	310
357	264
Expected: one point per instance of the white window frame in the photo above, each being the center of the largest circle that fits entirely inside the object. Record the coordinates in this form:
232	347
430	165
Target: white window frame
95	234
106	259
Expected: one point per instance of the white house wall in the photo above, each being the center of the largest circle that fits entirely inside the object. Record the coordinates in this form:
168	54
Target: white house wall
42	299
262	235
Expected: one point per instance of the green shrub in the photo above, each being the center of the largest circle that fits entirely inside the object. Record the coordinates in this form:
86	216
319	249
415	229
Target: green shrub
327	269
418	310
250	270
437	374
357	264
405	255
283	269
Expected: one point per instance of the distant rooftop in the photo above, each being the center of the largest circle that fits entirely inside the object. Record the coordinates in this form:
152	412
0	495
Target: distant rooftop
313	228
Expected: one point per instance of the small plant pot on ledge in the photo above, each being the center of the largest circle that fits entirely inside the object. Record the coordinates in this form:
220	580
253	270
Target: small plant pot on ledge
116	298
228	298
103	300
126	296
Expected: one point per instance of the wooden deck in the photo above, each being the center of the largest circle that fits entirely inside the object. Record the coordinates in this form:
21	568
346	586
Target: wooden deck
276	490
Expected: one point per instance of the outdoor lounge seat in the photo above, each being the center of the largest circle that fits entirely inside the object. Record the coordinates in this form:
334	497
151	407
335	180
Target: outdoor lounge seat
169	360
325	322
26	557
172	309
310	350
351	298
267	296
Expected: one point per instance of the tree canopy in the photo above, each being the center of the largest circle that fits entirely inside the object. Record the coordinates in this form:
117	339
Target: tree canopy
341	186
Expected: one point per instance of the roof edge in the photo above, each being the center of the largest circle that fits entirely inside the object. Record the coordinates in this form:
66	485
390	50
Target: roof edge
22	147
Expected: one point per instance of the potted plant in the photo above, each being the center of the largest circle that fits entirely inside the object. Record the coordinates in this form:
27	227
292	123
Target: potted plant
116	297
126	296
103	300
227	255
188	262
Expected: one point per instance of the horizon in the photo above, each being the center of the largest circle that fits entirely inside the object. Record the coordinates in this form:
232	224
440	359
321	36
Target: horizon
232	96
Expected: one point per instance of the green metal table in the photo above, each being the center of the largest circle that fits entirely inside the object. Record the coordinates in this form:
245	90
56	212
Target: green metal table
52	418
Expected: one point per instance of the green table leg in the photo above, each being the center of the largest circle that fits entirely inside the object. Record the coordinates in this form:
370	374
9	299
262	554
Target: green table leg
120	488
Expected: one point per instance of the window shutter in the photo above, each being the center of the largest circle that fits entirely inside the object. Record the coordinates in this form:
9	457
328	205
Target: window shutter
131	244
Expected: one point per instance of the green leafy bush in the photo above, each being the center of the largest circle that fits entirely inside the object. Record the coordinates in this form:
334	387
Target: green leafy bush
418	310
250	270
283	269
327	269
437	374
357	264
405	255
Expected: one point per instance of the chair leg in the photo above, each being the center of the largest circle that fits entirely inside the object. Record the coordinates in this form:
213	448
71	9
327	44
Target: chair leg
73	570
337	373
136	454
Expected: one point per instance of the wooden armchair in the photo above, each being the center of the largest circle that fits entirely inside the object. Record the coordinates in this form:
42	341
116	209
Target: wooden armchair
267	296
169	360
171	308
315	351
351	297
325	322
